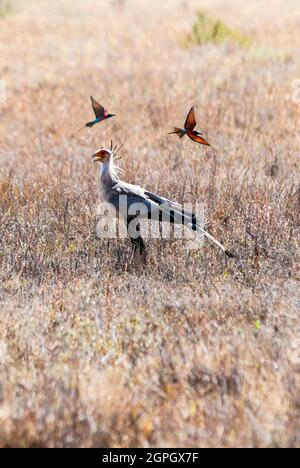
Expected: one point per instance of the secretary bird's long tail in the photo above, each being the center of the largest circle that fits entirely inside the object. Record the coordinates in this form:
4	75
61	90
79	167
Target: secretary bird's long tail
179	216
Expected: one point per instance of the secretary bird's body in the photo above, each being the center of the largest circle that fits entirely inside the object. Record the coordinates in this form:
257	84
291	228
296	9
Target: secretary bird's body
150	205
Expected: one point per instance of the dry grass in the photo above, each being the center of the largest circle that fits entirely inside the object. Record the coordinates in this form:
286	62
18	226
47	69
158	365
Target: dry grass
192	350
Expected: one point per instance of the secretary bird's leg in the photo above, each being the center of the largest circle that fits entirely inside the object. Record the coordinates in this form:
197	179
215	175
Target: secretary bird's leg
137	243
141	247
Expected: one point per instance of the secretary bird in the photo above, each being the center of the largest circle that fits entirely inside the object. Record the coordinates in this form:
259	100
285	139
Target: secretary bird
154	206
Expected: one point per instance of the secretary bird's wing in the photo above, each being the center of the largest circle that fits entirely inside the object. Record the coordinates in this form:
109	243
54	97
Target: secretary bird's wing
158	199
152	203
177	213
134	199
134	192
180	216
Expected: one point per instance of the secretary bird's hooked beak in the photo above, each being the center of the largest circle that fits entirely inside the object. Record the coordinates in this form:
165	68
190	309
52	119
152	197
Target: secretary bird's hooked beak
100	155
104	154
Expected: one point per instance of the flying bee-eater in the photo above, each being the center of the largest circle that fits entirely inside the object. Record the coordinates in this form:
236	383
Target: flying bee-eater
188	129
100	113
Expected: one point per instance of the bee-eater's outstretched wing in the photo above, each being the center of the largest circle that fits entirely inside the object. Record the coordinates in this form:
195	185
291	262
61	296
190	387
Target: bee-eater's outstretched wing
98	109
190	122
198	139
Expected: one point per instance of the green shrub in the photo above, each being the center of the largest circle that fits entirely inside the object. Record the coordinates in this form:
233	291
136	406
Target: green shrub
207	29
5	6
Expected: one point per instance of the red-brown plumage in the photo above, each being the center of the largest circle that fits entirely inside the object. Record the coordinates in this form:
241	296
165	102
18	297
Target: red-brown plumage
197	138
188	130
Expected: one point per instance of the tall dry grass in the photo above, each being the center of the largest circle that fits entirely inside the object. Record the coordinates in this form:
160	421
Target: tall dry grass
192	349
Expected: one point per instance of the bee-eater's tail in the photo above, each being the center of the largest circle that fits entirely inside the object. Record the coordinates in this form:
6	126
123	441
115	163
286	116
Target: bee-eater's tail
178	131
87	125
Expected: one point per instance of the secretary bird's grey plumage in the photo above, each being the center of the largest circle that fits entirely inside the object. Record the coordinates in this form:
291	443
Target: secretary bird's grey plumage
154	206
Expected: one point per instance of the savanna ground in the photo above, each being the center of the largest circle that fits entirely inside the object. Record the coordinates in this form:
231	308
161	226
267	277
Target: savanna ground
192	349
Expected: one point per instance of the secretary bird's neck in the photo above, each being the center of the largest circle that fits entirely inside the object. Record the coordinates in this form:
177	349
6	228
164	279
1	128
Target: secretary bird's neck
108	174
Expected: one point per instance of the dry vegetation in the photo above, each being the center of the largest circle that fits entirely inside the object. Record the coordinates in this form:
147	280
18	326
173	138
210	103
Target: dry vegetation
192	350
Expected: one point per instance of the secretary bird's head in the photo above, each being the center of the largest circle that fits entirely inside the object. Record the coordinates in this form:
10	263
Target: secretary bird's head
104	155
